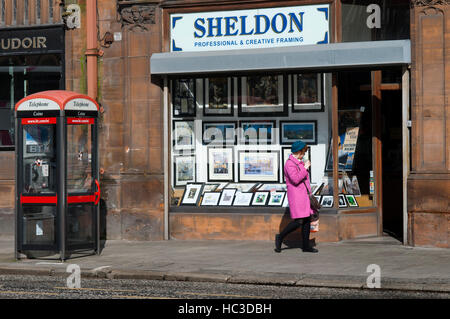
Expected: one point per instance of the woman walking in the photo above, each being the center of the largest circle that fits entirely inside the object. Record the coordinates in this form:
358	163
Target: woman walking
298	186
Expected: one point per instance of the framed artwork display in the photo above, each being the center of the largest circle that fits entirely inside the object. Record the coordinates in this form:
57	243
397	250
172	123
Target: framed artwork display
286	152
243	187
210	188
351	201
184	169
220	164
183	135
327	201
351	185
259	166
218	96
227	197
276	198
292	131
242	199
219	133
262	95
260	198
257	132
342	201
192	194
307	92
210	199
183	97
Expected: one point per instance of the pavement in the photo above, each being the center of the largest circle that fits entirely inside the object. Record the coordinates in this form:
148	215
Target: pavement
344	264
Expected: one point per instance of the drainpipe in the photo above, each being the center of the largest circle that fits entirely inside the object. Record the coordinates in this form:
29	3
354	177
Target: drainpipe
91	50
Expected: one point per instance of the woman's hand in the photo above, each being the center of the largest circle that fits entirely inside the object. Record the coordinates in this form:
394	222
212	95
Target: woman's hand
307	164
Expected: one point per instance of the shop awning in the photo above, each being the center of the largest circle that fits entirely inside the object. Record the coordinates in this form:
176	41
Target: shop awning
326	57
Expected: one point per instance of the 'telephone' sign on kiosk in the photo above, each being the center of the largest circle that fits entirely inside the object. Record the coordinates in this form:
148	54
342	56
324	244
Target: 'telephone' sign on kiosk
249	29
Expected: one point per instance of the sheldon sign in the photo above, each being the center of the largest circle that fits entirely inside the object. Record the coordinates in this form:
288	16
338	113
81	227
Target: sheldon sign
247	29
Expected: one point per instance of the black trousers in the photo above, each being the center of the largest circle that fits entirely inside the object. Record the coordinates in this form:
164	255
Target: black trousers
305	223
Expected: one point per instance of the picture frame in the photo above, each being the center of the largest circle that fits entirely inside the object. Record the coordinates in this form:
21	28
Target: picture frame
210	198
351	186
285	202
260	198
184	169
291	131
351	200
220	164
183	136
307	92
258	166
192	194
243	199
257	132
262	95
243	187
218	100
183	95
327	201
219	133
286	152
210	188
342	201
276	198
227	197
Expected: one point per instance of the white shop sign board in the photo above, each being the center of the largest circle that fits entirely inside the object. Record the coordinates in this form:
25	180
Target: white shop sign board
249	29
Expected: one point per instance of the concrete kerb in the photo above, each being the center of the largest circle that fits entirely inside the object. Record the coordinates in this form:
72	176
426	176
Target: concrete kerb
302	280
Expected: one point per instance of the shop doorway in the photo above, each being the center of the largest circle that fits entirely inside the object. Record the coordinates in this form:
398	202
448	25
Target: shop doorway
392	162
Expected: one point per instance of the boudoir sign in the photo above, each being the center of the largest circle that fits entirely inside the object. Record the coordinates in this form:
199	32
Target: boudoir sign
247	29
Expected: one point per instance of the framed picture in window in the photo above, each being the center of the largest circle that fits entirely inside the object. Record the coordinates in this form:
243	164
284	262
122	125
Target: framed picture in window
257	132
184	169
276	198
220	164
262	95
260	198
242	199
327	201
307	92
218	96
292	131
183	97
210	199
342	201
351	200
192	194
219	133
227	197
183	136
258	166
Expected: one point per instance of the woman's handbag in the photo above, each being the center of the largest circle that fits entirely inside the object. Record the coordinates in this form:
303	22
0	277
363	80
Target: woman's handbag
315	205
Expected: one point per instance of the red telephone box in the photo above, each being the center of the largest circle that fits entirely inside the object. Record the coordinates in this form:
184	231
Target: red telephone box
57	189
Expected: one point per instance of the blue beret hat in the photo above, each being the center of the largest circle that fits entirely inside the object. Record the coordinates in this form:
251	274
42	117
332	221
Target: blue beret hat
297	146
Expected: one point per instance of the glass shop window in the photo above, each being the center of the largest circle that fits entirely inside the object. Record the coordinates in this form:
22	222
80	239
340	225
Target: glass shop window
372	20
231	136
21	76
354	146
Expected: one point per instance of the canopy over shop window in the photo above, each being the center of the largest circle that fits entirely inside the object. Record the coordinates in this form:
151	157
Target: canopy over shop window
308	57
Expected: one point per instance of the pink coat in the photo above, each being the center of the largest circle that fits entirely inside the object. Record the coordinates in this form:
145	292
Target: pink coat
295	173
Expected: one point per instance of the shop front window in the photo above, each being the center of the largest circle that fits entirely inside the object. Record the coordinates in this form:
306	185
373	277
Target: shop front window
231	137
21	76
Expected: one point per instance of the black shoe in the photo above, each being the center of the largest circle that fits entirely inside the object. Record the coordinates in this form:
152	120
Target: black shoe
310	250
277	243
